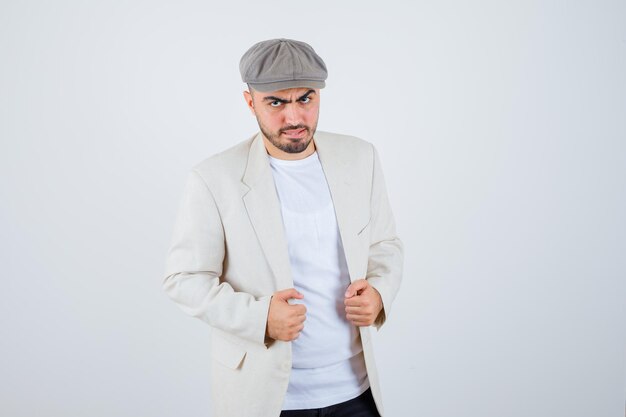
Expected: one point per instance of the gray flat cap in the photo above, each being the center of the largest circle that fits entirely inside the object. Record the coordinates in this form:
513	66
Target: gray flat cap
277	64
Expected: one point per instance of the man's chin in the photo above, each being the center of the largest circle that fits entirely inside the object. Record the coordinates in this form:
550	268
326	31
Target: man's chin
296	147
286	144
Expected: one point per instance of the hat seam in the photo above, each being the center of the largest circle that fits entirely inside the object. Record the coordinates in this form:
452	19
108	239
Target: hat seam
246	74
283	80
256	59
256	72
300	62
293	57
281	85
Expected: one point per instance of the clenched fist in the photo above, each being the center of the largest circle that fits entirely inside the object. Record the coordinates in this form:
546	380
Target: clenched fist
284	320
363	303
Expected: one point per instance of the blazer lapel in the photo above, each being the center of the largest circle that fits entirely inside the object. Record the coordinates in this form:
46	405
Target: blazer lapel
263	207
340	181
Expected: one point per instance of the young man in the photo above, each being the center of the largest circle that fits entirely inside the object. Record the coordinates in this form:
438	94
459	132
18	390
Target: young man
286	245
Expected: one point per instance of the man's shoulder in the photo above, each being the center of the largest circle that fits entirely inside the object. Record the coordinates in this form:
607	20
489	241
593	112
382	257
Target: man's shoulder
351	147
230	160
343	140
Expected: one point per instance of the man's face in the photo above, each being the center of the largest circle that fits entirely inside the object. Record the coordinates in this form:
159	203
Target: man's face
287	118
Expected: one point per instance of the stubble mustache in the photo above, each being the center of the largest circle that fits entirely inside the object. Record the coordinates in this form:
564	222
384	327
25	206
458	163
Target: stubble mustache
284	129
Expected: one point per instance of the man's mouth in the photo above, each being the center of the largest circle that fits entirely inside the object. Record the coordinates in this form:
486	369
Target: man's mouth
295	133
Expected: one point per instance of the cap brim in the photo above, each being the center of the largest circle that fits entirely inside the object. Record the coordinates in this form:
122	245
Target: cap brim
282	85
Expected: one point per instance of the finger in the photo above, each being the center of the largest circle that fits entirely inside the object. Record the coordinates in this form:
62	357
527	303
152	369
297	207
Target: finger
354	288
360	321
297	332
297	320
355	317
300	318
354	301
298	309
357	311
289	293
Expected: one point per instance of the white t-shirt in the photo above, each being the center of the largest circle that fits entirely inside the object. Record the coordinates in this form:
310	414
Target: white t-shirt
328	365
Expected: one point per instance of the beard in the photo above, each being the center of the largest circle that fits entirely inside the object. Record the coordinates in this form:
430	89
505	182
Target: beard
289	145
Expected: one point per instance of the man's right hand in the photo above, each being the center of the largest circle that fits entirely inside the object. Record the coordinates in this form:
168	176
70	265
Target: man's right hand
284	320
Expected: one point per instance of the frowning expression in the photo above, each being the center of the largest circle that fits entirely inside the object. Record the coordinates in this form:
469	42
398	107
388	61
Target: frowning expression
287	118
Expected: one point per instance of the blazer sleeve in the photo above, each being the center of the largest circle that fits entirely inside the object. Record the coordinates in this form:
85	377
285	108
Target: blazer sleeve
194	267
386	251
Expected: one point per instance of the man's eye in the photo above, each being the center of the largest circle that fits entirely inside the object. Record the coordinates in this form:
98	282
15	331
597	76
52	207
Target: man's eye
275	103
305	99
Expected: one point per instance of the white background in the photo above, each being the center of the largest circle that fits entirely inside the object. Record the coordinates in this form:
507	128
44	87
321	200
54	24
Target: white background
501	127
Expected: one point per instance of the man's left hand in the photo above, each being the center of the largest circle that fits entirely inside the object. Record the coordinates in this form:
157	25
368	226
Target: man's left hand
363	303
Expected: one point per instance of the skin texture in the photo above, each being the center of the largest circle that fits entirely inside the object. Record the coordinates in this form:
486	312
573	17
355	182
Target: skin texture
285	321
363	303
281	115
277	112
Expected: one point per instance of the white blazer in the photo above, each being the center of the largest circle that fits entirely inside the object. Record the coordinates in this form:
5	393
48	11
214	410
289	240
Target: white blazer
229	255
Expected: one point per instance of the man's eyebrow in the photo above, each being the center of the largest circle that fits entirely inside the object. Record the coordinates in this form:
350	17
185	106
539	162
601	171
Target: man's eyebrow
282	100
306	94
272	98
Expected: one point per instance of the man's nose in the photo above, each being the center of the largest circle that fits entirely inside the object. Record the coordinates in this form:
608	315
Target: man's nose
292	115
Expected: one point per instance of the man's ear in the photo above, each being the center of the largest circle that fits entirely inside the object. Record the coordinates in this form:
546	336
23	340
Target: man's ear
249	102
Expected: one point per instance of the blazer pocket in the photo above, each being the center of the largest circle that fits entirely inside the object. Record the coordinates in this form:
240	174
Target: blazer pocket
226	352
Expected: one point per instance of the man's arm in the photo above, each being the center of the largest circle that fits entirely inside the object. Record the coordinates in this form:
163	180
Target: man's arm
386	254
194	265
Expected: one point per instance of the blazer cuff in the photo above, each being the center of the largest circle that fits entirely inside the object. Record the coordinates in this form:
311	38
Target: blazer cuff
258	312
